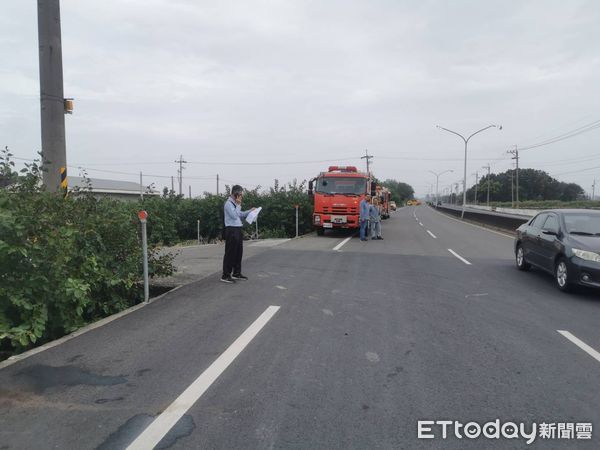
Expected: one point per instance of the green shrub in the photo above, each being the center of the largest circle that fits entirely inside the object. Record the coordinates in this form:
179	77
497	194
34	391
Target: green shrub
64	262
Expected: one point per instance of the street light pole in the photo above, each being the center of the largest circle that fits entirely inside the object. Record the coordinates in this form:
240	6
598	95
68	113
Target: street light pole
466	140
437	179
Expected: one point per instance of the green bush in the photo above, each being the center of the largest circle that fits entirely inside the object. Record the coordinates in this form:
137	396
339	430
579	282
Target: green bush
64	262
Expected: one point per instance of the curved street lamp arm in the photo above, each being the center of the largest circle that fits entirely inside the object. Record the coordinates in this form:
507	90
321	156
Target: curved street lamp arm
454	132
483	129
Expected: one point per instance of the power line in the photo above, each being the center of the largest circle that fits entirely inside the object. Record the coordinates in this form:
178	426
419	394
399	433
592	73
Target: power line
569	134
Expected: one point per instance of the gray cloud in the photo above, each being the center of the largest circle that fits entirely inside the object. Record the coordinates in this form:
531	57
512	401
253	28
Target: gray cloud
293	81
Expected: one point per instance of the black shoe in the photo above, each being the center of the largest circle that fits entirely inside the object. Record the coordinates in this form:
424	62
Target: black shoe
379	238
227	279
373	239
239	276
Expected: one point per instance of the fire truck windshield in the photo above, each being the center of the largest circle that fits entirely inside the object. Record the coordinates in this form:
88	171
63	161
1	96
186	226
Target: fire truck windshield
342	185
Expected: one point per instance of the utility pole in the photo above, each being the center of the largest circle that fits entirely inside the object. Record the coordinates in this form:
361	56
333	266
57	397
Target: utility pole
516	157
488	184
368	158
512	192
217	184
476	183
172	184
141	187
190	186
52	101
594	190
180	172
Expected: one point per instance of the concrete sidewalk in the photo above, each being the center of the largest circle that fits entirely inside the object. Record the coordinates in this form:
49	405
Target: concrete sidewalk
199	261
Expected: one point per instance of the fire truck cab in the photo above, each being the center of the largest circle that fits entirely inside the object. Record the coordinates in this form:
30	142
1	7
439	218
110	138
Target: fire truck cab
337	194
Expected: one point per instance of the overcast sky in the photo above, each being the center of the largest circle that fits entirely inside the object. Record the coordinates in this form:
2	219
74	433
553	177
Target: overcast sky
287	82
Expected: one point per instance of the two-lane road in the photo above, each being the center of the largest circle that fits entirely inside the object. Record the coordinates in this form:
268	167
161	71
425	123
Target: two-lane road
432	323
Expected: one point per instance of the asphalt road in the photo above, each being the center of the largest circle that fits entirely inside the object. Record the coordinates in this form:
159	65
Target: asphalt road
368	339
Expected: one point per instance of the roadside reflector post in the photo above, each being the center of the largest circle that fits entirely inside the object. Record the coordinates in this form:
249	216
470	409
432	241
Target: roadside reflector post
143	216
296	206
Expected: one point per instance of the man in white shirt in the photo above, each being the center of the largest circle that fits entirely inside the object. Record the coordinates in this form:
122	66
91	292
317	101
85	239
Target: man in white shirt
233	215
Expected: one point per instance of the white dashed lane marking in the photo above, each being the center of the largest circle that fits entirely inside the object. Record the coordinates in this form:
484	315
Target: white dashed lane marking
582	345
459	257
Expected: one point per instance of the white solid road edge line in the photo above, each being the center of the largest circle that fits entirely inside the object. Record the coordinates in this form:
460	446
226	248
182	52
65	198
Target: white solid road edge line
582	345
152	435
459	257
432	235
337	247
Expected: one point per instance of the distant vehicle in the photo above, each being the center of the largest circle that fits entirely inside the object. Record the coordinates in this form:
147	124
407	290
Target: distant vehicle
413	202
563	242
337	194
393	206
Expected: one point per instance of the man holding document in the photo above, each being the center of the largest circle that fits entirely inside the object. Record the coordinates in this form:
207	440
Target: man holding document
233	214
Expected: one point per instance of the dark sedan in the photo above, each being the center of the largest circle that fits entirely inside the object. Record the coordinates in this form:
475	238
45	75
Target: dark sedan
564	242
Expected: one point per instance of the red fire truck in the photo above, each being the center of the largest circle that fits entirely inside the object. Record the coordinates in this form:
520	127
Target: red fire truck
384	196
337	194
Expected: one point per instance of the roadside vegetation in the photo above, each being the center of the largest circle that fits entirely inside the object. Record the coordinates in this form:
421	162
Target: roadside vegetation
63	262
534	185
549	204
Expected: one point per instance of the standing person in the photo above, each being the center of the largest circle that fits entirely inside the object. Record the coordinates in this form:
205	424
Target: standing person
364	216
375	219
233	214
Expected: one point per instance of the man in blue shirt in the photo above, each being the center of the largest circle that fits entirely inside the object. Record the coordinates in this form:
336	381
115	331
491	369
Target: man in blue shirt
233	215
375	219
364	216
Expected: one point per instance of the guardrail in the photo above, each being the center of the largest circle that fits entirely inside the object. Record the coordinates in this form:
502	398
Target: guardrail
509	222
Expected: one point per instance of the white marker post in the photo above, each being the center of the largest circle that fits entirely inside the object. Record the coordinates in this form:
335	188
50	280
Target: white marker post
143	216
198	231
296	206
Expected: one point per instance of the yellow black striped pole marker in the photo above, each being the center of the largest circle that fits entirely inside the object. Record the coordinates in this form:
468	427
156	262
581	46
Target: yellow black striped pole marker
64	184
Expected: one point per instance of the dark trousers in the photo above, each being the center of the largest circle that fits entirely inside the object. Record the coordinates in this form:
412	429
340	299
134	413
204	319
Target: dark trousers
232	261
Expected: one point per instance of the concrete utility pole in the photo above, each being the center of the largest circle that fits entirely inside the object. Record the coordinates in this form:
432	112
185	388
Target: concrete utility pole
180	172
190	189
512	189
516	157
217	184
476	183
172	184
52	102
488	183
594	190
141	187
368	158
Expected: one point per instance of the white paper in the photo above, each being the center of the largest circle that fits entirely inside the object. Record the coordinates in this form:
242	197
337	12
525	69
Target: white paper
252	215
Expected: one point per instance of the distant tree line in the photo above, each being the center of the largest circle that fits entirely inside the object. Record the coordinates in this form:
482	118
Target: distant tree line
401	192
533	185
